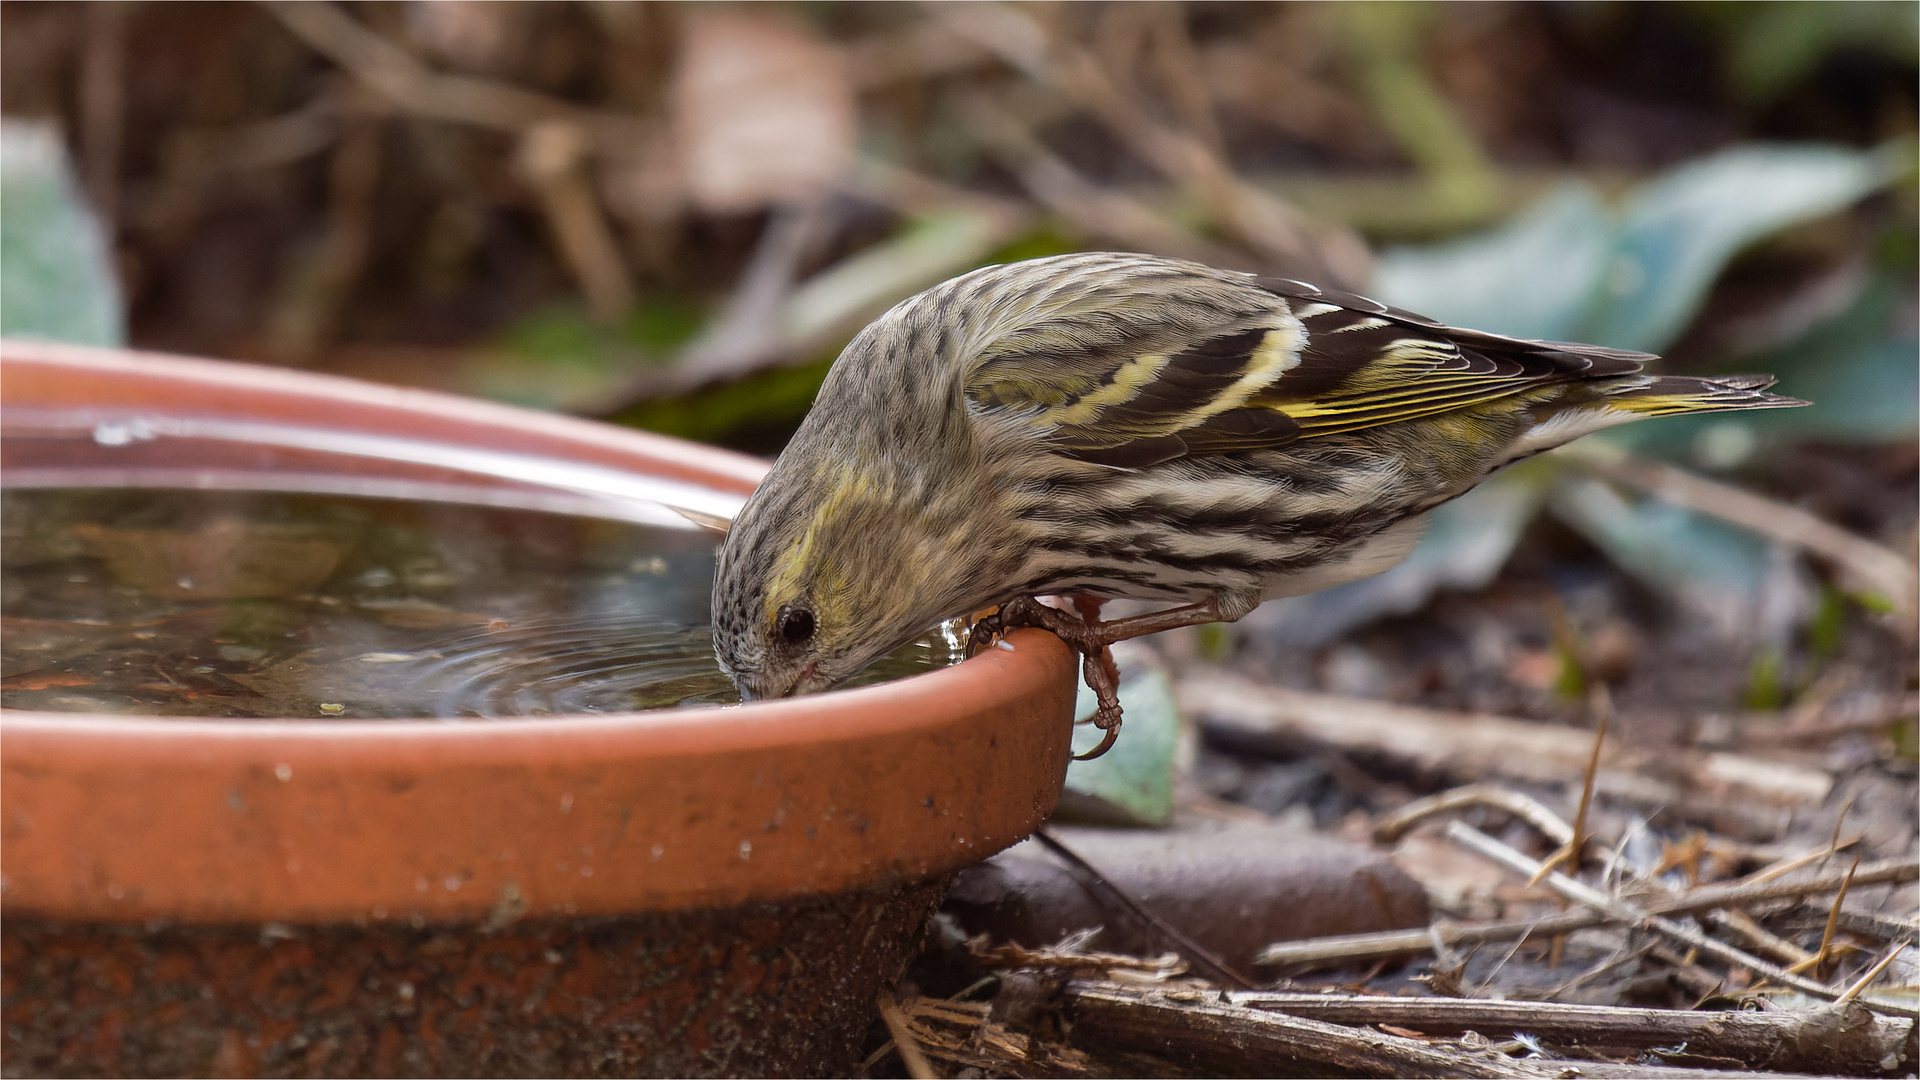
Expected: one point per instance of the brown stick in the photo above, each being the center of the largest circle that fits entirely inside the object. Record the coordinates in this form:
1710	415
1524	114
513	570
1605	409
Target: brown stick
1776	1040
1224	1034
1405	942
1231	1031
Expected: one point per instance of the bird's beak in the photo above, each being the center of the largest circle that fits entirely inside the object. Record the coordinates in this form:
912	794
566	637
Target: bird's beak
762	686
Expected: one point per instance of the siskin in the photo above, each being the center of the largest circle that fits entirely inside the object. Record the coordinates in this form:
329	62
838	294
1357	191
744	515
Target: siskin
1108	425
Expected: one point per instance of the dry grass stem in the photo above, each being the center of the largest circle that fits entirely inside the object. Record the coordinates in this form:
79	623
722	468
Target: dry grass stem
1819	958
1600	702
1866	978
1749	792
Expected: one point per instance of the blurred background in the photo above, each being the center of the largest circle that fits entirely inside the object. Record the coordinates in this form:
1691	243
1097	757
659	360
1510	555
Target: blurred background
673	215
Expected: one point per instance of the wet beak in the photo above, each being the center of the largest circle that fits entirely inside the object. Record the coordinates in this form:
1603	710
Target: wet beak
765	685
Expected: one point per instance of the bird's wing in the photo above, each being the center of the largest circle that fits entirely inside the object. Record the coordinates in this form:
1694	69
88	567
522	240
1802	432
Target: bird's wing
1320	362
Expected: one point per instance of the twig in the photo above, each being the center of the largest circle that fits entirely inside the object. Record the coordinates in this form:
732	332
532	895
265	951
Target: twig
1879	927
1203	1026
1012	954
1403	942
413	86
1084	204
1777	1040
1759	936
1202	959
1275	228
1278	1031
916	1062
1476	746
552	159
1621	911
1393	826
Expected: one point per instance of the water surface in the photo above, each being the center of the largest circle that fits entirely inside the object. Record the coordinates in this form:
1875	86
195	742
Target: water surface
264	604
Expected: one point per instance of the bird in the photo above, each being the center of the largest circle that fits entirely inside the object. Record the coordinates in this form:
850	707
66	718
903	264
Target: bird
1108	425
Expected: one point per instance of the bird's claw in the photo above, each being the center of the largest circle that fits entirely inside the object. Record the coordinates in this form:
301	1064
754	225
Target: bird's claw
1102	676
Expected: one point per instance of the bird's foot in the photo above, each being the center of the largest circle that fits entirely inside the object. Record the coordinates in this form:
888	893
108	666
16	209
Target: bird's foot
1085	636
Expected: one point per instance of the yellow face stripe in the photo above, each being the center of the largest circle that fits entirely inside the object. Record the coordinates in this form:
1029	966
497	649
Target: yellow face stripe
793	567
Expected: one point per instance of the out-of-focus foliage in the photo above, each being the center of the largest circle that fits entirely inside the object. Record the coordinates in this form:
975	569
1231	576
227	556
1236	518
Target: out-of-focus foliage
56	275
1571	268
1774	44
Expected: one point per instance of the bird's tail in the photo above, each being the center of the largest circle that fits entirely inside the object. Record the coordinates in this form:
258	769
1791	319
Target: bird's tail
1590	405
1671	395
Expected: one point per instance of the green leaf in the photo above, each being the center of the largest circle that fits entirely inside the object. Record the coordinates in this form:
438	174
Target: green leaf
56	276
1709	566
1568	268
1534	277
1132	783
1679	231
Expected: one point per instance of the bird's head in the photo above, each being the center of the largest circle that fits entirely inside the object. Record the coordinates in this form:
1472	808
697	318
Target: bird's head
827	569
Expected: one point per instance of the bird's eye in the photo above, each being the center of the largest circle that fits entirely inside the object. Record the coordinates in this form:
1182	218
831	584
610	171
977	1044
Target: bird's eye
796	625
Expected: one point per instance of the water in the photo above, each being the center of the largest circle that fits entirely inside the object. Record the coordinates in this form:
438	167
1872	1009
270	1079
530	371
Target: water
263	604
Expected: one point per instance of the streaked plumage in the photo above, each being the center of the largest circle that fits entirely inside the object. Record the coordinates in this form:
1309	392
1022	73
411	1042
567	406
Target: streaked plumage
1127	426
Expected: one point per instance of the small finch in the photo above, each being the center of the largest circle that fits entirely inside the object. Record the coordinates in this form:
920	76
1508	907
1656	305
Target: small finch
1102	426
